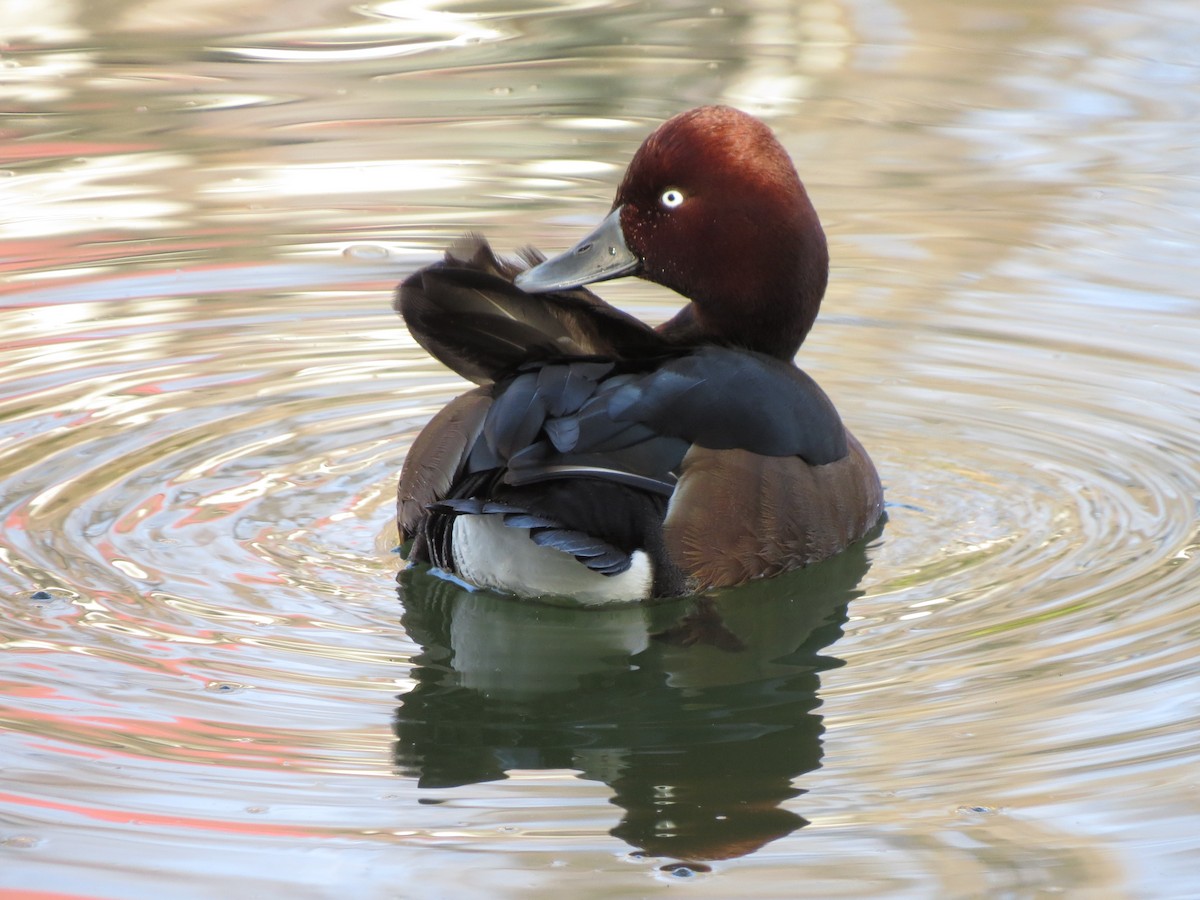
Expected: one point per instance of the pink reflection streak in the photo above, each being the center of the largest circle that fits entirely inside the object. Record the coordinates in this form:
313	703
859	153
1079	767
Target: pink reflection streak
182	733
130	521
122	817
50	149
6	894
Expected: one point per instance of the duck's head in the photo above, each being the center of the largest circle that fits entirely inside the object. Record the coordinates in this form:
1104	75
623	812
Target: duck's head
711	207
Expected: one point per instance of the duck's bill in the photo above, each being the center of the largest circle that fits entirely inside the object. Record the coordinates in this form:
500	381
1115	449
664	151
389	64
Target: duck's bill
599	256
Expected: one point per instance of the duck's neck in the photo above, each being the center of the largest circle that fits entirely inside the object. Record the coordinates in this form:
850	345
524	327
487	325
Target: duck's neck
768	309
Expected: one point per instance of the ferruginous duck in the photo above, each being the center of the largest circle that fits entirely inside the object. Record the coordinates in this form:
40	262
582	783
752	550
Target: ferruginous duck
608	461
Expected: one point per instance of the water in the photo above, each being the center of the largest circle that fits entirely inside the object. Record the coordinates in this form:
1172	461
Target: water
211	685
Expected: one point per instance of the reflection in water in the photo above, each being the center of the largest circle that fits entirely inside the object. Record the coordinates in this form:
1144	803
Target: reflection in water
698	713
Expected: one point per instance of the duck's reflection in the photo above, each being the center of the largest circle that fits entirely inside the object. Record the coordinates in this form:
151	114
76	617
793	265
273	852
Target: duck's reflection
698	713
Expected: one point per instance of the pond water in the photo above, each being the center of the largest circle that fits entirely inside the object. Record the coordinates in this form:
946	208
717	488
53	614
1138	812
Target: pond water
211	682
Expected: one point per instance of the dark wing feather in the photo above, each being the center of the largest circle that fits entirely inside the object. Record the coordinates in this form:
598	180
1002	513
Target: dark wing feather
516	418
466	312
477	324
553	423
726	399
438	464
438	457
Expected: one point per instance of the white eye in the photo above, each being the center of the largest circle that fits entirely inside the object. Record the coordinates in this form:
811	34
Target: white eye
671	198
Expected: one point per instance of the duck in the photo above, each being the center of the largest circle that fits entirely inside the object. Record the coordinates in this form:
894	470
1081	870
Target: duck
605	461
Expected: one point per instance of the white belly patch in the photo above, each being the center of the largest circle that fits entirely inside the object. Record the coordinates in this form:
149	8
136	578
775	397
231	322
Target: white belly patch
489	554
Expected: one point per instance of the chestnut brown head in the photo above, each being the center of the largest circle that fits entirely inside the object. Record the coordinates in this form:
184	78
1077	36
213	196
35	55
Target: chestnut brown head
711	207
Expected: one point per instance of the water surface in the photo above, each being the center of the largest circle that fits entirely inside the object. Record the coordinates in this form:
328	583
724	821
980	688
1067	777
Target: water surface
213	684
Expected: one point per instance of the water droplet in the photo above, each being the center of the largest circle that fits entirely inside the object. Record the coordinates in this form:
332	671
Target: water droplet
685	870
366	251
224	687
976	810
502	91
20	841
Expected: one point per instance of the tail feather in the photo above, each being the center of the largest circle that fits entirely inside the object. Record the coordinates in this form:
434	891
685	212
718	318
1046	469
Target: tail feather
595	553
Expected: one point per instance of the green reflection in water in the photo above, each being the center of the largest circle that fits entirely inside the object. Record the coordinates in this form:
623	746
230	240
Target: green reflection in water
698	713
